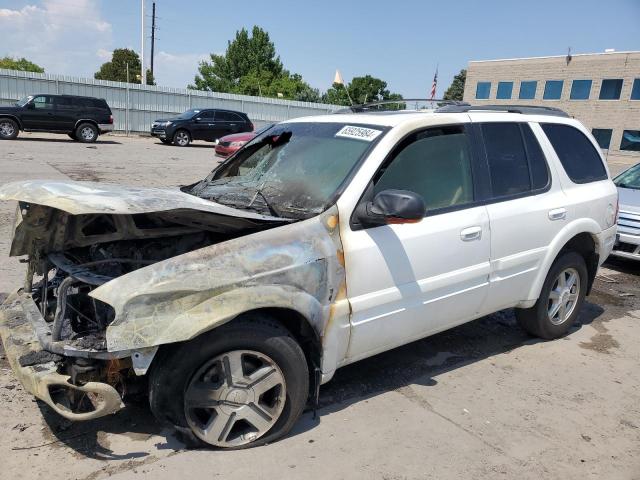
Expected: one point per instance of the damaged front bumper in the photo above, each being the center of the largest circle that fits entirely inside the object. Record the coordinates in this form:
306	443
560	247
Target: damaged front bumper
24	332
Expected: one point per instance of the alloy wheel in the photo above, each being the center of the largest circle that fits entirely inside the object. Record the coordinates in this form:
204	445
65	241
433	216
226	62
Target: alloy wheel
87	133
235	398
182	138
563	296
7	129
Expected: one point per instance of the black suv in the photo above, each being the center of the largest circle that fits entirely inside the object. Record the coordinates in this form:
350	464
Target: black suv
82	118
200	124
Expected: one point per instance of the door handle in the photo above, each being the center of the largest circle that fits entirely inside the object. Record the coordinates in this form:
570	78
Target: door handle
557	214
471	233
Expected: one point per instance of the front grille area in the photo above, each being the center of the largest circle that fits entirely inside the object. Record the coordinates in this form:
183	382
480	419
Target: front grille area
629	223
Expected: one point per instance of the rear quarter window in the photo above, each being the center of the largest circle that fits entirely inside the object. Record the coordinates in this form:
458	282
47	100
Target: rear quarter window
578	156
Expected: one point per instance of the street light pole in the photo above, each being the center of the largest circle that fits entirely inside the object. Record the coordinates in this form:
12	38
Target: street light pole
143	73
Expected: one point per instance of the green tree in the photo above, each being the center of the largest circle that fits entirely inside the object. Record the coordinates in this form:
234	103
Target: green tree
22	64
361	90
116	69
456	89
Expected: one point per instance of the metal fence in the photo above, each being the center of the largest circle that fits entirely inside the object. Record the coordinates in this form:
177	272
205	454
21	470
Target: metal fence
135	106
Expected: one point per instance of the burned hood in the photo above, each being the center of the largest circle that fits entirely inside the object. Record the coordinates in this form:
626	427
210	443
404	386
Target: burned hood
94	198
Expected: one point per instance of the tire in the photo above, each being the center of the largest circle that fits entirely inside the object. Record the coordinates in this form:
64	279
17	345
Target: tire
9	129
86	133
72	136
181	138
548	318
202	365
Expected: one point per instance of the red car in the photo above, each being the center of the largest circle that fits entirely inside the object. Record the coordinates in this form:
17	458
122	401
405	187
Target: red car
230	144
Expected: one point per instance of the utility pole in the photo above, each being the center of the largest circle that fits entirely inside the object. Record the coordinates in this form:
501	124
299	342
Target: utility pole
153	33
143	73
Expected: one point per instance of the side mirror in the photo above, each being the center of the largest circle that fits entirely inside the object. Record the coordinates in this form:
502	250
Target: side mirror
31	106
391	207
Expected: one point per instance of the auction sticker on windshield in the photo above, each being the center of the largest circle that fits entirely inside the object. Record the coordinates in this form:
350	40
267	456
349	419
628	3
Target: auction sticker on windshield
359	133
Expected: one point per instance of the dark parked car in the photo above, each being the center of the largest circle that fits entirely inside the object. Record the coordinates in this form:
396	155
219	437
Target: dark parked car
200	124
82	118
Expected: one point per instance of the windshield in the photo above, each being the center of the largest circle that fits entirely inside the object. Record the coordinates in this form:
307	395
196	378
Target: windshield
188	114
629	179
23	101
292	170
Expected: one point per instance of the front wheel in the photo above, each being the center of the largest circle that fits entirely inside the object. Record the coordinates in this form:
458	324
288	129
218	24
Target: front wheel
8	129
560	300
86	133
181	138
243	384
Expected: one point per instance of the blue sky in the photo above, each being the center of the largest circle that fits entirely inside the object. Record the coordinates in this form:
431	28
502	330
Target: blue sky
400	42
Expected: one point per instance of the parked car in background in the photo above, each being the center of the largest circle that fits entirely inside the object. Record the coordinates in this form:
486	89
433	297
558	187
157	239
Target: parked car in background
82	118
230	144
628	238
324	241
200	124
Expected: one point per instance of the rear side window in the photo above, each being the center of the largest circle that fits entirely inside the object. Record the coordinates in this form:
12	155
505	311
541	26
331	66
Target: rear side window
516	162
577	154
228	117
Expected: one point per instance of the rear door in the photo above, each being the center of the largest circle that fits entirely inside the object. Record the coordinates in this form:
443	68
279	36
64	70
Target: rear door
228	122
65	112
526	208
41	116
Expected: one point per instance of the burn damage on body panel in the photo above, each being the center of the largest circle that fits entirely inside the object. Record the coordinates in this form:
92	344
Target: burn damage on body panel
110	278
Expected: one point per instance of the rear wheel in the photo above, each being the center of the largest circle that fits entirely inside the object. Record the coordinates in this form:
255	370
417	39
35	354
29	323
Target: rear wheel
243	384
181	138
86	133
560	300
8	129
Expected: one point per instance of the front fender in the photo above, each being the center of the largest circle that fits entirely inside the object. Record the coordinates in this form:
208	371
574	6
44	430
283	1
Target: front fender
295	266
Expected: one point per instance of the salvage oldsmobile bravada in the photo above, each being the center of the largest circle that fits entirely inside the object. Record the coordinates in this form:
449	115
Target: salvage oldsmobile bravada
323	241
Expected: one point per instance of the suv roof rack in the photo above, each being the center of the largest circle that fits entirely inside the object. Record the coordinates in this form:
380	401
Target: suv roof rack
523	109
374	106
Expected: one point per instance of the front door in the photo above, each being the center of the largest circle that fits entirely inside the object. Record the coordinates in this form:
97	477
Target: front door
407	281
39	114
203	125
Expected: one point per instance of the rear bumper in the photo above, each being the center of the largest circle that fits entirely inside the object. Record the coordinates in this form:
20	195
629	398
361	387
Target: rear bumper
105	127
37	369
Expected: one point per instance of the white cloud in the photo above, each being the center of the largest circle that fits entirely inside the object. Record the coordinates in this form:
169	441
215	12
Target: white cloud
63	36
177	70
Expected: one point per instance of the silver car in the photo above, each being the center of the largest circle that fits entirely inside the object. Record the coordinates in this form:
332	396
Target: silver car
628	239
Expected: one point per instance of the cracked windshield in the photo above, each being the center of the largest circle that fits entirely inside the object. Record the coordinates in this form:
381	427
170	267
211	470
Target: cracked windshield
291	170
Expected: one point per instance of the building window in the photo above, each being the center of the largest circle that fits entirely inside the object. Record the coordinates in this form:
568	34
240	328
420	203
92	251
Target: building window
610	89
504	90
553	89
528	90
482	90
580	90
630	140
603	137
635	91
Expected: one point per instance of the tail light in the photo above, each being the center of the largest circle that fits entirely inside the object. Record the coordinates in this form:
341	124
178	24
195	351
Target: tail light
110	118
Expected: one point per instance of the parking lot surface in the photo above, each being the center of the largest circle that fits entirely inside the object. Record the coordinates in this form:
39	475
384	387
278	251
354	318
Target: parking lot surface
483	400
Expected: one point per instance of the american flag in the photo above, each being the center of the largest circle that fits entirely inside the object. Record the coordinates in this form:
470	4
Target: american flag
435	84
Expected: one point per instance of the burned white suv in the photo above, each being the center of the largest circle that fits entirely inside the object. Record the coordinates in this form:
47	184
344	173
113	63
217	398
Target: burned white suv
323	241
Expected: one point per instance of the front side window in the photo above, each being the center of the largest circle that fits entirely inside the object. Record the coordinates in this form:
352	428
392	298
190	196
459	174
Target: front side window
635	90
516	162
435	164
630	140
206	115
578	156
292	170
553	89
43	102
482	90
580	90
610	89
603	137
528	90
504	90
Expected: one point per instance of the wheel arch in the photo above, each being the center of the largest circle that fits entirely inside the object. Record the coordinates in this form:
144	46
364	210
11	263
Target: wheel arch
86	120
580	236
